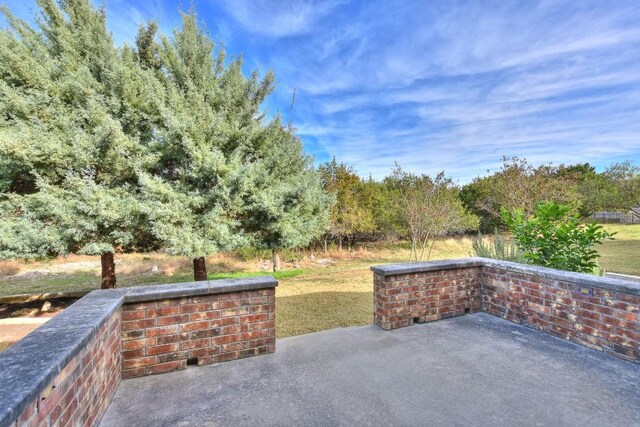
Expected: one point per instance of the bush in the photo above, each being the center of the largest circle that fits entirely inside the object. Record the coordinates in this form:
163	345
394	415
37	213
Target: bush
498	248
554	237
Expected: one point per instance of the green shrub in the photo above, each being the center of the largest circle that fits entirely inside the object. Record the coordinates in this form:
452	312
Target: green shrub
554	237
498	248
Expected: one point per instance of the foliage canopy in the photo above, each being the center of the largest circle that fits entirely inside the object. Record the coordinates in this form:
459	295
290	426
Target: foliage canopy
165	144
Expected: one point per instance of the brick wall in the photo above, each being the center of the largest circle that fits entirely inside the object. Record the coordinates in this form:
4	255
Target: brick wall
405	299
166	335
66	371
81	392
600	313
602	319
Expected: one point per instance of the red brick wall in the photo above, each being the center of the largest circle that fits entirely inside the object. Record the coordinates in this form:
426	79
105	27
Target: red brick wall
401	300
598	318
162	336
67	372
81	392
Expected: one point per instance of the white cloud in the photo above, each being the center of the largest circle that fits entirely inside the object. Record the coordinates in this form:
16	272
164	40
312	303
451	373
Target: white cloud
457	86
438	85
278	18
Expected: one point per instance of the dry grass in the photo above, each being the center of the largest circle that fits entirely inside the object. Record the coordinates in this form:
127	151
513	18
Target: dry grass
341	293
321	291
328	290
9	268
136	264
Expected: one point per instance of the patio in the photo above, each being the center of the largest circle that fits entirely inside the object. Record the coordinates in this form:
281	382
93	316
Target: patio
475	369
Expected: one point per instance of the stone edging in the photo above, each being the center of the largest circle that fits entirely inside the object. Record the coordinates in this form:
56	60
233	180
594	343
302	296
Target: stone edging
22	298
28	366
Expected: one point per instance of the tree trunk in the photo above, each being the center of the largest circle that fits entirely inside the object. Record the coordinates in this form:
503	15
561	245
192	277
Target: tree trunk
276	260
431	247
325	245
108	270
199	269
424	244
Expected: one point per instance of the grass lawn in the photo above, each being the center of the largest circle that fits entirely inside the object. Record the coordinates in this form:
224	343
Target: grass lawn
326	291
342	294
315	293
621	255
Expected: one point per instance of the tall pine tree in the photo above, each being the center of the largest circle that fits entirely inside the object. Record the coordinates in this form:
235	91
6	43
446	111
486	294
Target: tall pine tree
288	206
73	113
211	131
104	149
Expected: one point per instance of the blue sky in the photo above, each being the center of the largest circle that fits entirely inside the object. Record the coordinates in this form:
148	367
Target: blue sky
434	85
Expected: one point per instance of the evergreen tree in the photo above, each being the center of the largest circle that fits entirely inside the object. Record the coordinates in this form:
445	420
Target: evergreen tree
214	148
104	149
288	207
71	139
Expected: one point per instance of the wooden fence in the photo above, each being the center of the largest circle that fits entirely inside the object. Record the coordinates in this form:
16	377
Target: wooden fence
631	217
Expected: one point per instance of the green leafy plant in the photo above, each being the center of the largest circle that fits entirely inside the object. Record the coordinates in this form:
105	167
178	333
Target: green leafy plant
554	237
498	248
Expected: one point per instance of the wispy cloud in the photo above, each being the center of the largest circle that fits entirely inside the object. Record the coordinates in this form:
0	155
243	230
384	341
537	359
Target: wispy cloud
278	18
456	89
436	85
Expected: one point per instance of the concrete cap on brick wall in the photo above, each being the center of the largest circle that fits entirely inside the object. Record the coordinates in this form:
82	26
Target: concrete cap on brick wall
151	293
423	267
617	285
27	367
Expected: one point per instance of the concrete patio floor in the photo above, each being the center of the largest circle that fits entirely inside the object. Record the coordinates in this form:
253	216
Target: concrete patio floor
471	370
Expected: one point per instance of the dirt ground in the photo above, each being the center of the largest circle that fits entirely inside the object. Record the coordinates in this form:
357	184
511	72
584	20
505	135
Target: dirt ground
17	320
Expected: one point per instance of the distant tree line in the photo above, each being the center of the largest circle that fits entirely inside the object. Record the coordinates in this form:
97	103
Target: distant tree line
403	205
412	207
520	185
